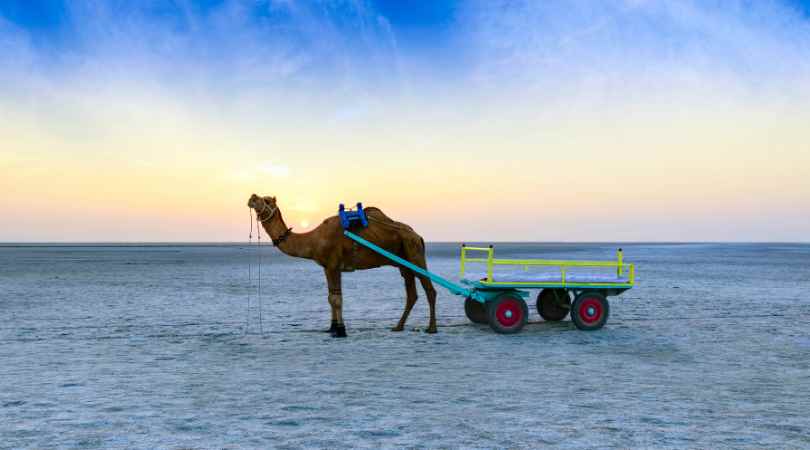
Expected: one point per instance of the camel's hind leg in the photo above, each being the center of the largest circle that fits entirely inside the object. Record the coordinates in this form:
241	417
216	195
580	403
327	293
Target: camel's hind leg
416	254
410	297
427	285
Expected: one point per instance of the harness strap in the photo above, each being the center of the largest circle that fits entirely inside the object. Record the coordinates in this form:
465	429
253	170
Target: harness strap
282	238
268	216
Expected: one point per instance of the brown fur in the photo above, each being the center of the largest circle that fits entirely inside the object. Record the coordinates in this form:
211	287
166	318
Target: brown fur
327	246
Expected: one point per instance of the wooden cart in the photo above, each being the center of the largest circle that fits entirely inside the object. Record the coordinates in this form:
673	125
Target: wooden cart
497	297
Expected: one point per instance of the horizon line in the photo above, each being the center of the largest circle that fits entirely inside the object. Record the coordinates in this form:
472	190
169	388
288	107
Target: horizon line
13	244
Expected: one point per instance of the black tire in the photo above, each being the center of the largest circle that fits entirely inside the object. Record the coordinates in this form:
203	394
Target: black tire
476	311
590	311
507	313
553	304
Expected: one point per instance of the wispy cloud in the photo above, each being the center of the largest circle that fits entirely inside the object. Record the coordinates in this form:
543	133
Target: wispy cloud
235	58
251	174
603	47
275	170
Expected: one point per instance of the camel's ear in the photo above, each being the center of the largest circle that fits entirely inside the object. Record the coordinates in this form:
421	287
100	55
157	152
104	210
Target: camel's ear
274	199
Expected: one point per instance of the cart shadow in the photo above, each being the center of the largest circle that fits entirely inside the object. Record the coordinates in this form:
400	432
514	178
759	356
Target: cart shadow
543	325
532	327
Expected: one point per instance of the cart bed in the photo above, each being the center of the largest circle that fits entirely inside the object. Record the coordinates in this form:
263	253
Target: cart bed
544	278
493	273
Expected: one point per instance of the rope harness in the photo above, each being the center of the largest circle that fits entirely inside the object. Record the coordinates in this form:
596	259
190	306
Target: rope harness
265	208
269	216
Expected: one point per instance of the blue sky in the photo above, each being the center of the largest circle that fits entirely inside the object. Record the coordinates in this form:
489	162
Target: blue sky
55	21
429	38
668	118
49	14
412	18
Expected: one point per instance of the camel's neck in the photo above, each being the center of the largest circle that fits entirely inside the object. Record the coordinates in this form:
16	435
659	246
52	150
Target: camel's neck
293	244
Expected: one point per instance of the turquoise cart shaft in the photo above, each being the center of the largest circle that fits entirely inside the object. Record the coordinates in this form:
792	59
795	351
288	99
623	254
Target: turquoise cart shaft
449	285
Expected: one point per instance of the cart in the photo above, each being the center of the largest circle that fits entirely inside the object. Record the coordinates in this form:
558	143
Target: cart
498	297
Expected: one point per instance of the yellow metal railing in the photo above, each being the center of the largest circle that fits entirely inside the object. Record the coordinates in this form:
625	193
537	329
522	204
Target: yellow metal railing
491	262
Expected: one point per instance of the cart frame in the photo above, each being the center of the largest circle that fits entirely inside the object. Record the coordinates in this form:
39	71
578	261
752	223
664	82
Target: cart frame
490	283
492	294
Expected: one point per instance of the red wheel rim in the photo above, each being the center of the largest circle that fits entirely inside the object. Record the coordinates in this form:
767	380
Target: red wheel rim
590	310
509	312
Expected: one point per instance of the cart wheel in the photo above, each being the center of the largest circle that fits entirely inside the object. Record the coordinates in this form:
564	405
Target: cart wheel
590	311
507	313
553	304
475	311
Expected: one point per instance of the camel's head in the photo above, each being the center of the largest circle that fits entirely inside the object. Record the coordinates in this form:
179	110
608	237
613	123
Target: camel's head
261	203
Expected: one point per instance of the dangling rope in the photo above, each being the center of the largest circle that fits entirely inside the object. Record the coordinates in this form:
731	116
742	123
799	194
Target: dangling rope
259	282
250	271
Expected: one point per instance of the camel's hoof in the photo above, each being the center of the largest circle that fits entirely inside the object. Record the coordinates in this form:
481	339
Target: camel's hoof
332	327
431	330
340	331
397	328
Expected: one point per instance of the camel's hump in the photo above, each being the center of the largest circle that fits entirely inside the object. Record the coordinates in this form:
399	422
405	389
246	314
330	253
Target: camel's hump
376	215
376	211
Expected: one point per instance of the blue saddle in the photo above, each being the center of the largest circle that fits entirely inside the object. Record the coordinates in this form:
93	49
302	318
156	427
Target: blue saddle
350	217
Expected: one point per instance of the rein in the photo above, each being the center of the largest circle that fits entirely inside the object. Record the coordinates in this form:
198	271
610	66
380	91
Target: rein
250	273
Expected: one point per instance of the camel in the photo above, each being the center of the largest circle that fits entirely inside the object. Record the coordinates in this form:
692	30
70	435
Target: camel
336	253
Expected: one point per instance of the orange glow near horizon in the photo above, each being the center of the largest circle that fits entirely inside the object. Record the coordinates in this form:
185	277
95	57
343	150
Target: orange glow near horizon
623	179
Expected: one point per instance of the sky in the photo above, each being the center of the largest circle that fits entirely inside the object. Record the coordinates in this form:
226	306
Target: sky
617	120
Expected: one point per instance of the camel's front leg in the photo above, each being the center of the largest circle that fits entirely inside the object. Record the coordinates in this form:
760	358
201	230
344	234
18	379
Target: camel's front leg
336	301
333	325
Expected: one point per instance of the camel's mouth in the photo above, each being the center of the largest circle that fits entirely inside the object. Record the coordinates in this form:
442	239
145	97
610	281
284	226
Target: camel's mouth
252	201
